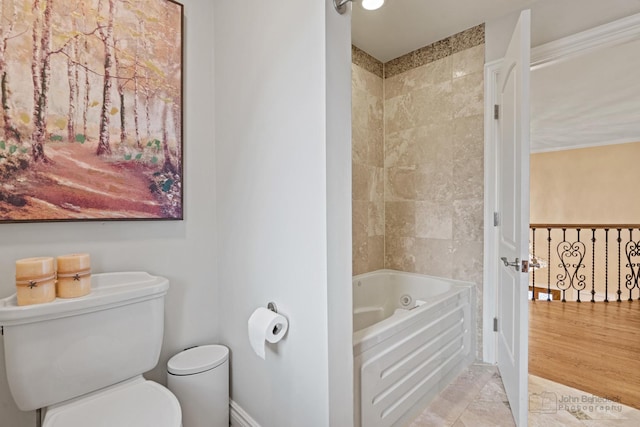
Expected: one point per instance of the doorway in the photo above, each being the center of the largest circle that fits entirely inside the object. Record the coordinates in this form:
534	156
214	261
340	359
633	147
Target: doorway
548	56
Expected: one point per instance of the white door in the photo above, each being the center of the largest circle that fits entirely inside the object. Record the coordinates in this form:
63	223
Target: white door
513	211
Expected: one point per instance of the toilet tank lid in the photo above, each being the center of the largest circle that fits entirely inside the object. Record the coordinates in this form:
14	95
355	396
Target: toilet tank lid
107	290
199	359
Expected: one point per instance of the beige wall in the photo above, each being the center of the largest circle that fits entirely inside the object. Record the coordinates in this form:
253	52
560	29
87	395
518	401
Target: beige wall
595	185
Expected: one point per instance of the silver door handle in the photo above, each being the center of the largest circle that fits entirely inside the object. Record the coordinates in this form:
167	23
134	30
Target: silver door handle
515	264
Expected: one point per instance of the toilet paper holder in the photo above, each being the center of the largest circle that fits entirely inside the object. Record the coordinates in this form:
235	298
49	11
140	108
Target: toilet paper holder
273	307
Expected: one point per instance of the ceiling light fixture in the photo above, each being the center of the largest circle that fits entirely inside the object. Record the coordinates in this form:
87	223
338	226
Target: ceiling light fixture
372	4
341	5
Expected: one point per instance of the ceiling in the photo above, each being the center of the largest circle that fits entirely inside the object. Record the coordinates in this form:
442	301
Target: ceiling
590	99
401	26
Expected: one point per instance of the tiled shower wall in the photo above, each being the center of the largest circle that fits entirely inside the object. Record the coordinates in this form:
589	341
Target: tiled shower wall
368	163
431	127
434	178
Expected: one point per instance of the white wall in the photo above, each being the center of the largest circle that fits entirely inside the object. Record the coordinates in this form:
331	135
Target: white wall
183	251
340	307
280	211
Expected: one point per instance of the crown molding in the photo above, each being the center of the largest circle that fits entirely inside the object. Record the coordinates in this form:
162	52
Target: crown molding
603	36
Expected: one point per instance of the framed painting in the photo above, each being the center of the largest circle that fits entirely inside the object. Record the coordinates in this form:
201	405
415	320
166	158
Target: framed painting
91	106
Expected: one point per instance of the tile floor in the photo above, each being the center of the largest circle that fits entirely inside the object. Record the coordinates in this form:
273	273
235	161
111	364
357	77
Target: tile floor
476	398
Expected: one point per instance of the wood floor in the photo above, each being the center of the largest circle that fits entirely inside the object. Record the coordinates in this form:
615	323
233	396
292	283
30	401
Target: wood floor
594	347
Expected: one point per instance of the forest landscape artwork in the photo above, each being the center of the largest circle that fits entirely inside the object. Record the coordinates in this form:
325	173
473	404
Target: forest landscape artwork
91	110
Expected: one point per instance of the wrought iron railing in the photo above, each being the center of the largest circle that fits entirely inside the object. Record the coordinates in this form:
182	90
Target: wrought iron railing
595	262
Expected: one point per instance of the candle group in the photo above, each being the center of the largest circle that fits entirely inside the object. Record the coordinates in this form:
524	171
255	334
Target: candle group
36	278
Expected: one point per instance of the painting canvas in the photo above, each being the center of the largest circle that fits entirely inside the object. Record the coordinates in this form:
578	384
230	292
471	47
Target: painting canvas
91	106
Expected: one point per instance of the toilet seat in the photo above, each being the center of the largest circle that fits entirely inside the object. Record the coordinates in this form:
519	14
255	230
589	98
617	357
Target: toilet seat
133	403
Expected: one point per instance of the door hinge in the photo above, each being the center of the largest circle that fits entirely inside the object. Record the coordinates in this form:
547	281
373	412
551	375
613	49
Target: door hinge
495	324
496	219
496	111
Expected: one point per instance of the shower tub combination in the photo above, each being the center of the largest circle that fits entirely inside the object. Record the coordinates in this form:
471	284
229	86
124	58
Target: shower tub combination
413	334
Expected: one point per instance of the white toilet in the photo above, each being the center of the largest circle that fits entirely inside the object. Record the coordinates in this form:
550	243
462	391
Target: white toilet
82	359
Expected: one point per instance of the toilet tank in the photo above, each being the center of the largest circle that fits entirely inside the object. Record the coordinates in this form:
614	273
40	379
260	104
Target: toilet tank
69	347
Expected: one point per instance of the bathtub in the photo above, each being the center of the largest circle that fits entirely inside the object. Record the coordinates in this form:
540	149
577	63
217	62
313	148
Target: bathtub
412	335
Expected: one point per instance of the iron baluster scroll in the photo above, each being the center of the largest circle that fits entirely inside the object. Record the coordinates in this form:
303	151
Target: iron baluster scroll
570	278
580	261
632	250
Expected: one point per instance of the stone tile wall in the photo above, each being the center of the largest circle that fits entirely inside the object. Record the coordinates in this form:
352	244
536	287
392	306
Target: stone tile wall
434	177
434	170
367	164
418	159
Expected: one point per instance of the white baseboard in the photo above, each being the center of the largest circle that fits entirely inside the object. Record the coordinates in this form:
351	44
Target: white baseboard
239	417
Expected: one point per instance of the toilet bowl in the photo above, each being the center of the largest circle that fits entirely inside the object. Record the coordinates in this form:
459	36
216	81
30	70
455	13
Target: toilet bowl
82	359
